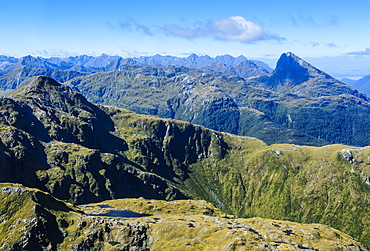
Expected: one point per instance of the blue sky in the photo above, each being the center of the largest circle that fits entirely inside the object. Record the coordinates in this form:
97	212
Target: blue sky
332	35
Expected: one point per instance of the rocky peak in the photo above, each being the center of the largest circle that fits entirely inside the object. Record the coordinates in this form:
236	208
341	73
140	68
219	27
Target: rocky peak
193	57
225	59
35	62
240	59
49	92
294	75
67	115
292	68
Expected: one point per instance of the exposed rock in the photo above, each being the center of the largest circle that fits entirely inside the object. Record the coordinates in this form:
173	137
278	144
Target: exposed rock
367	180
347	154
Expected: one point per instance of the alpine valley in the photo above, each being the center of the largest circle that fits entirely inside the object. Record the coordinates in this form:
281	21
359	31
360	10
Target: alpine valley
167	153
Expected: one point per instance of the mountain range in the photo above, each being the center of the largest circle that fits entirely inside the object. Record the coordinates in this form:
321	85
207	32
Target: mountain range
296	103
105	62
54	139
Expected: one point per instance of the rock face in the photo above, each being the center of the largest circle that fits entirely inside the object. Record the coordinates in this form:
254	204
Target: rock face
33	220
367	180
53	139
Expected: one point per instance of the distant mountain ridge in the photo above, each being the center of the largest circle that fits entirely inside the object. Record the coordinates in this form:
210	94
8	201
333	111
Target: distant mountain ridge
195	61
296	103
102	62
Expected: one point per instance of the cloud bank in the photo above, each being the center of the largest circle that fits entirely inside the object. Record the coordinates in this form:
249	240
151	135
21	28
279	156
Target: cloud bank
234	28
366	52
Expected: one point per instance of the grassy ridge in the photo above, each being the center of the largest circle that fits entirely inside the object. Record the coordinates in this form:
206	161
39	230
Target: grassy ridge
33	220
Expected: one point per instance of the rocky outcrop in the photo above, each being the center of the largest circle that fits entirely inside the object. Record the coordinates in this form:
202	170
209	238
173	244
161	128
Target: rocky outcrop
347	155
367	180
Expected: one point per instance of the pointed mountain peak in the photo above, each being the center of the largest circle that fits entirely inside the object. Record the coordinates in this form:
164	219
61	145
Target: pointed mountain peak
104	55
294	75
39	85
27	60
240	59
295	70
36	62
44	84
193	57
28	57
290	60
46	90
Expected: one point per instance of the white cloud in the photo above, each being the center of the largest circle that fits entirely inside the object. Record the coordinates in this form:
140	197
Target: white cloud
235	28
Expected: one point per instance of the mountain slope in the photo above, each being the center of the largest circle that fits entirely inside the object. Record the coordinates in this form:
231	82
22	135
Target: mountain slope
363	85
296	103
52	138
52	134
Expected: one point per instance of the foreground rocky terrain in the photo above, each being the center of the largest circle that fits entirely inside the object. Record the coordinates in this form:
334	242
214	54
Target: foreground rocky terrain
53	139
33	220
